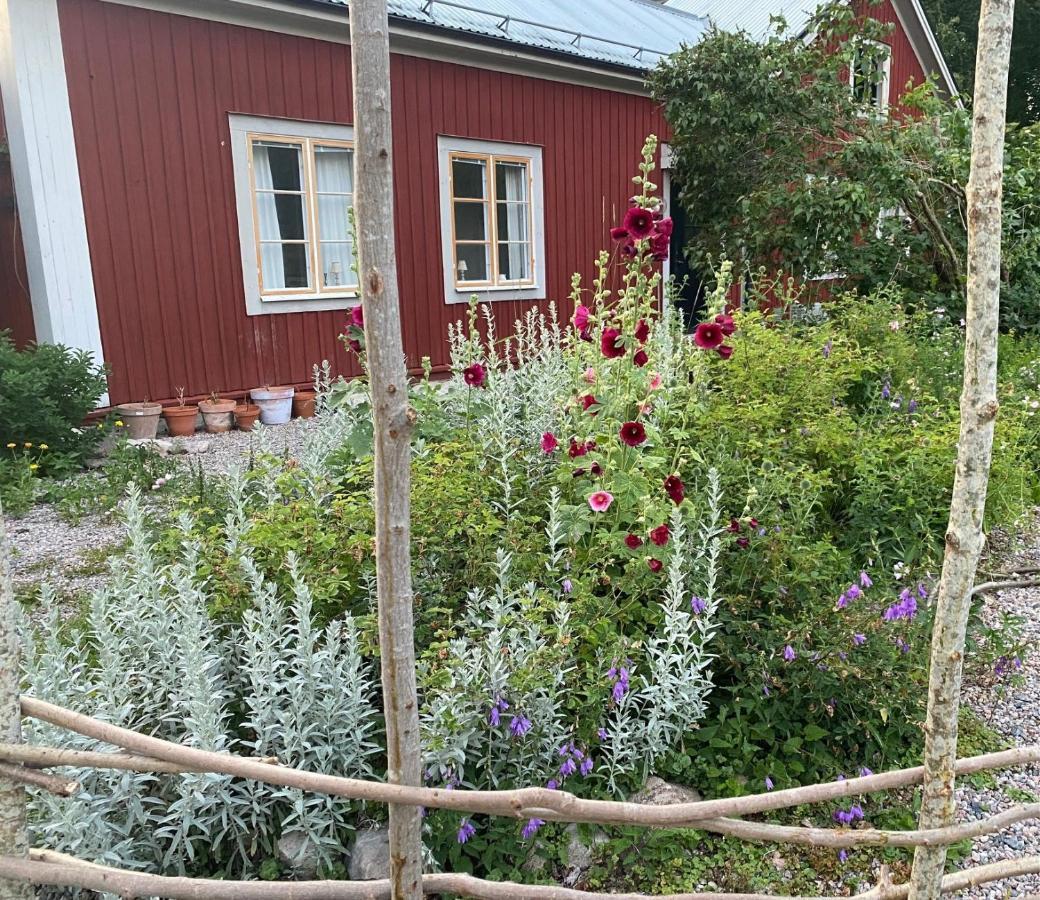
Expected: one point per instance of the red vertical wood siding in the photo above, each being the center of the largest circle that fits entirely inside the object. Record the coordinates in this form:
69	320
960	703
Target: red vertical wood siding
15	309
150	95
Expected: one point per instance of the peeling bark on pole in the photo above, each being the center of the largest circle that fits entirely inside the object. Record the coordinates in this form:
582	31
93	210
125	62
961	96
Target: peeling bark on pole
392	419
964	535
13	841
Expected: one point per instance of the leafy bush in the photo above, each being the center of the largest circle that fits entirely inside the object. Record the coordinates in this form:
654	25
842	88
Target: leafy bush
46	391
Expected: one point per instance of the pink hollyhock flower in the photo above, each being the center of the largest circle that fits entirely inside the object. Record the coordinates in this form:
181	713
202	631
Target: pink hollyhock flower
655	564
619	233
632	433
645	409
357	316
599	501
640	359
675	489
660	534
639	222
726	323
655	380
725	351
642	331
549	442
659	246
664	226
608	343
577	449
475	375
708	335
590	375
587	401
633	541
581	318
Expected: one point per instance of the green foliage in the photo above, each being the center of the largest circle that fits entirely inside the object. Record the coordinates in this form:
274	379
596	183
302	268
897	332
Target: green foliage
46	391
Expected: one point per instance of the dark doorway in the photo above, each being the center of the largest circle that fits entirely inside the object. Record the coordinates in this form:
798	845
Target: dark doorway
688	282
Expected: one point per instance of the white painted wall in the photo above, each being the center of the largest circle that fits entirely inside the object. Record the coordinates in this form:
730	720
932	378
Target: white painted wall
46	175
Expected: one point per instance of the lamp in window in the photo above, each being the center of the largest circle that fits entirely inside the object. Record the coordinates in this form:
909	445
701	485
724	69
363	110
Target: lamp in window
462	269
335	273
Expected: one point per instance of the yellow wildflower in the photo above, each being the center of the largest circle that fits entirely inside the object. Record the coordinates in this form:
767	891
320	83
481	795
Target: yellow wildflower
119	423
27	444
33	466
44	447
11	445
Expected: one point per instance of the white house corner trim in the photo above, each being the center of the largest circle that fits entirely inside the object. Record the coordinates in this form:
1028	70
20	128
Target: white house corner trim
46	176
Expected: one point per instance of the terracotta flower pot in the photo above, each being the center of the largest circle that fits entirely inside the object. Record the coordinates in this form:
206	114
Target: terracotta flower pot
217	415
303	404
275	404
141	419
246	415
180	420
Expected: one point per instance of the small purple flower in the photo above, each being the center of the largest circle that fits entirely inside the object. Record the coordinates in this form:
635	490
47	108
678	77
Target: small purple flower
842	655
586	766
698	605
906	608
601	734
911	407
859	639
494	717
620	677
864	772
552	785
568	768
886	391
903	646
922	591
765	690
827	349
856	811
853	592
567	586
842	817
843	601
519	725
789	654
531	828
769	783
466	831
843	855
865	580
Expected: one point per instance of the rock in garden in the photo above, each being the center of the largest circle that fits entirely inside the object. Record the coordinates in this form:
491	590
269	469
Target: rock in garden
581	850
370	857
297	851
658	792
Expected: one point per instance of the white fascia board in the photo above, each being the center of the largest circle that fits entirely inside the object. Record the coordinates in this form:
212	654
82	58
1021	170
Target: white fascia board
330	24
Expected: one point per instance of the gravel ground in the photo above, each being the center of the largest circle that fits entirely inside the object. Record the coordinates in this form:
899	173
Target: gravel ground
220	452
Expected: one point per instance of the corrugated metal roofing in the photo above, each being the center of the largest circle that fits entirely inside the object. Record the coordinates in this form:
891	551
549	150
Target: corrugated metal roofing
751	16
632	33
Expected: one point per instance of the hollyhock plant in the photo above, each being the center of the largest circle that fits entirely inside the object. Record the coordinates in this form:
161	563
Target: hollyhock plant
587	401
357	316
660	534
708	335
642	331
675	489
475	375
638	223
609	345
549	442
632	433
581	317
725	351
599	501
619	233
725	322
633	541
655	564
575	450
640	358
656	380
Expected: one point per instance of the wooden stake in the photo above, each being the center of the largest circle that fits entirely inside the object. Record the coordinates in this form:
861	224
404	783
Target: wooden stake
964	536
392	420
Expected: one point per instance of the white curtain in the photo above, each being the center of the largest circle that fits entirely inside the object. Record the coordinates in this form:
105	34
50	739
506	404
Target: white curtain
516	219
334	168
271	261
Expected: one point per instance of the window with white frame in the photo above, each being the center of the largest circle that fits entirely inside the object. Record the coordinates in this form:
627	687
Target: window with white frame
491	219
294	186
870	75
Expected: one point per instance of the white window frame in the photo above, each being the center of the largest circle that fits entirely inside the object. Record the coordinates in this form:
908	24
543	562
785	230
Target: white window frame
245	129
529	289
878	109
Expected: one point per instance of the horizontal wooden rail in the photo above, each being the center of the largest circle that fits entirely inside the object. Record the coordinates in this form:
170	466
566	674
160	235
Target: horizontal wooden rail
48	867
521	803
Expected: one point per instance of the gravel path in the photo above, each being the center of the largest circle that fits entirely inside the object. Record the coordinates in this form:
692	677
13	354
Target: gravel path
220	452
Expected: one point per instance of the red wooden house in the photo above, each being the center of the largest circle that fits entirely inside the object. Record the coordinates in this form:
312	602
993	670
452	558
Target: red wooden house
183	169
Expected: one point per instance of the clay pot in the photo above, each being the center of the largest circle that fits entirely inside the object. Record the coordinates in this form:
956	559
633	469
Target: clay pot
217	415
275	404
246	415
180	420
141	419
303	404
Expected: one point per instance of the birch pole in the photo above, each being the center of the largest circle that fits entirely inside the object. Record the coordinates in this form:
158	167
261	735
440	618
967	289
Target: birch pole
13	840
964	534
392	419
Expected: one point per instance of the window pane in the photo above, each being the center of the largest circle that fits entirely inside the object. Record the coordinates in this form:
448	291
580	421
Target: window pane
468	177
281	217
285	266
514	262
278	166
470	222
334	167
472	262
512	221
336	262
333	217
510	181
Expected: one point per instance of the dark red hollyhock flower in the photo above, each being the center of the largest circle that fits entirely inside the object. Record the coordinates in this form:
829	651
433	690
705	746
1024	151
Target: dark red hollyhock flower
642	331
608	343
752	524
628	249
590	445
659	247
726	324
357	316
655	565
639	222
734	526
619	233
633	541
708	335
664	226
725	351
640	359
675	489
596	469
577	449
660	534
632	433
587	401
474	375
586	334
581	317
743	542
354	345
577	473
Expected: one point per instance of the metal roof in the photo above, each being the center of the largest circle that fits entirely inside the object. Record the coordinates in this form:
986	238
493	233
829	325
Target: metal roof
630	33
751	16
